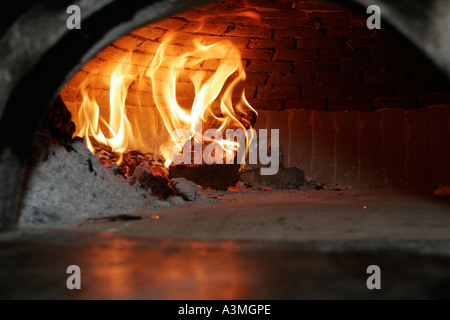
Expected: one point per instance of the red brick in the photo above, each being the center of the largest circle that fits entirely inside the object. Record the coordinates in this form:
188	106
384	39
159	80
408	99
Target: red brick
204	28
331	44
266	104
418	149
323	146
336	54
316	66
324	91
261	122
384	77
330	21
256	54
297	33
346	125
296	54
100	82
128	43
240	43
395	102
142	59
282	79
349	31
192	15
393	147
333	78
276	13
186	101
269	66
318	104
272	44
256	78
383	52
111	54
169	24
151	47
415	88
426	100
316	5
78	78
254	32
370	91
360	23
346	104
279	92
354	65
211	64
369	146
422	72
272	4
149	32
283	22
369	41
300	144
250	92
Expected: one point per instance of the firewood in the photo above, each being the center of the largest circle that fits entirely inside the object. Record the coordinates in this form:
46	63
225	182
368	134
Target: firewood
215	176
157	184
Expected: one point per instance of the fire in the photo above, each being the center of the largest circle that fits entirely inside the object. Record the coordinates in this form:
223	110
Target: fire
215	104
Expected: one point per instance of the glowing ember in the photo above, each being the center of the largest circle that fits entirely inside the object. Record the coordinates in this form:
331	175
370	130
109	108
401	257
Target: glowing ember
214	106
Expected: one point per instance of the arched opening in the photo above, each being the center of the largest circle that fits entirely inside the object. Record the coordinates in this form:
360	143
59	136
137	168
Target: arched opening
353	106
362	118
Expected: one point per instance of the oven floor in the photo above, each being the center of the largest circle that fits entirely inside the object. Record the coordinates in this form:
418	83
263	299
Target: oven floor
246	245
293	216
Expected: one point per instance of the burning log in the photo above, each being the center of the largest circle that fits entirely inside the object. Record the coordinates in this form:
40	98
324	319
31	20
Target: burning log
130	160
148	178
285	179
134	159
159	186
215	176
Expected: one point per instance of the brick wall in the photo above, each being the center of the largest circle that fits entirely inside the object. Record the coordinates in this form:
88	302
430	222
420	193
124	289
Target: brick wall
298	55
390	148
327	70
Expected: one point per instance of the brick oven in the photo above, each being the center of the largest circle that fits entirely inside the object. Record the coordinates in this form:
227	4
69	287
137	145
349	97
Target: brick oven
362	117
354	106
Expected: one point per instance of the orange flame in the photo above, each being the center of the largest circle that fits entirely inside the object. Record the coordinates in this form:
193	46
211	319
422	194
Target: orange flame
214	103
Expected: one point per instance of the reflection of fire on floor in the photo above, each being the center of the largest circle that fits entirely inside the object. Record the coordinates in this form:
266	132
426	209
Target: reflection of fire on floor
34	266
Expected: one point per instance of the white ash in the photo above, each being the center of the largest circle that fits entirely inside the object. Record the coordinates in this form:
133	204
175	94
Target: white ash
73	186
187	189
